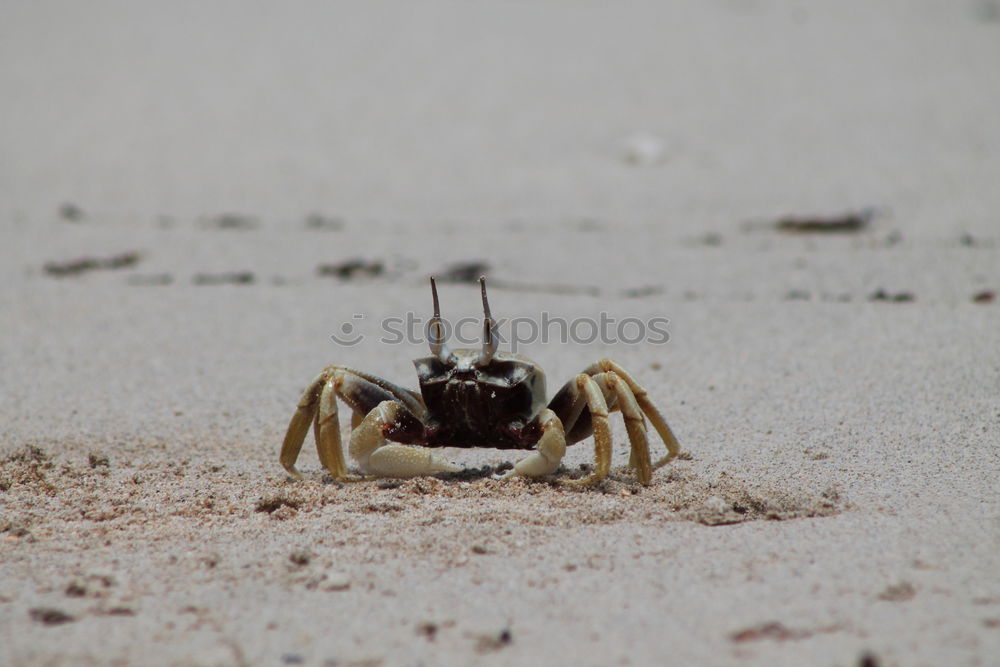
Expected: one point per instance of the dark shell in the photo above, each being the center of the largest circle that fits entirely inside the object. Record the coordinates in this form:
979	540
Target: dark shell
480	405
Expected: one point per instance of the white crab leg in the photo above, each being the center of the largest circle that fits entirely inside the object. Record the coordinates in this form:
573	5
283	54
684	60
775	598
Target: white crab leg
548	452
376	457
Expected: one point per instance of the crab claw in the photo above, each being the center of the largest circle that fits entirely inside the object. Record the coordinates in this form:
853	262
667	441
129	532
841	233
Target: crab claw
405	461
548	453
377	457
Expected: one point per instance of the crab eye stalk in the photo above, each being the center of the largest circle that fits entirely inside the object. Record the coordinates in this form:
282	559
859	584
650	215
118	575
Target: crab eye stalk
435	329
489	339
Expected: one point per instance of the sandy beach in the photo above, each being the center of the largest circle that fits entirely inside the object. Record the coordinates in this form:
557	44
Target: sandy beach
197	199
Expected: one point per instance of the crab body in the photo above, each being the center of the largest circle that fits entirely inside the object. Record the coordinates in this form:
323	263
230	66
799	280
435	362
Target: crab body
480	406
473	398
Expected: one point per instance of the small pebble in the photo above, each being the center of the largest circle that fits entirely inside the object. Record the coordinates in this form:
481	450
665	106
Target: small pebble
337	581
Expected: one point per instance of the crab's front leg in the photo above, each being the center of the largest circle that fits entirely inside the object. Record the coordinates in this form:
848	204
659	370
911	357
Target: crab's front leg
548	452
376	456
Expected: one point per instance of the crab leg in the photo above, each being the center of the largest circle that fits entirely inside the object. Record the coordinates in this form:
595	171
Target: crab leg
548	452
655	418
369	448
410	399
621	393
635	425
598	407
327	429
361	392
299	426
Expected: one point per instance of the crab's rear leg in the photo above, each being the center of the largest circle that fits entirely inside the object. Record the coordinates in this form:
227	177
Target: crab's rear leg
360	391
635	426
586	391
299	426
576	403
327	429
650	410
376	456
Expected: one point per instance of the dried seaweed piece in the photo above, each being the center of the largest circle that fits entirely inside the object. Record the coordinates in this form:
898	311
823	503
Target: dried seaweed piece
78	266
118	611
232	221
464	272
900	297
71	212
352	268
321	222
846	223
51	616
232	278
640	292
986	296
776	631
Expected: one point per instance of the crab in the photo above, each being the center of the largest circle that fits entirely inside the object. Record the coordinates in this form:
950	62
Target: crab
473	398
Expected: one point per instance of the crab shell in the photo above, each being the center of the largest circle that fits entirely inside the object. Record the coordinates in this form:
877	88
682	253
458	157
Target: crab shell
475	404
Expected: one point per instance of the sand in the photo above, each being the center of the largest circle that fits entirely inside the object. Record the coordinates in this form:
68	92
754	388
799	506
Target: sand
174	177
